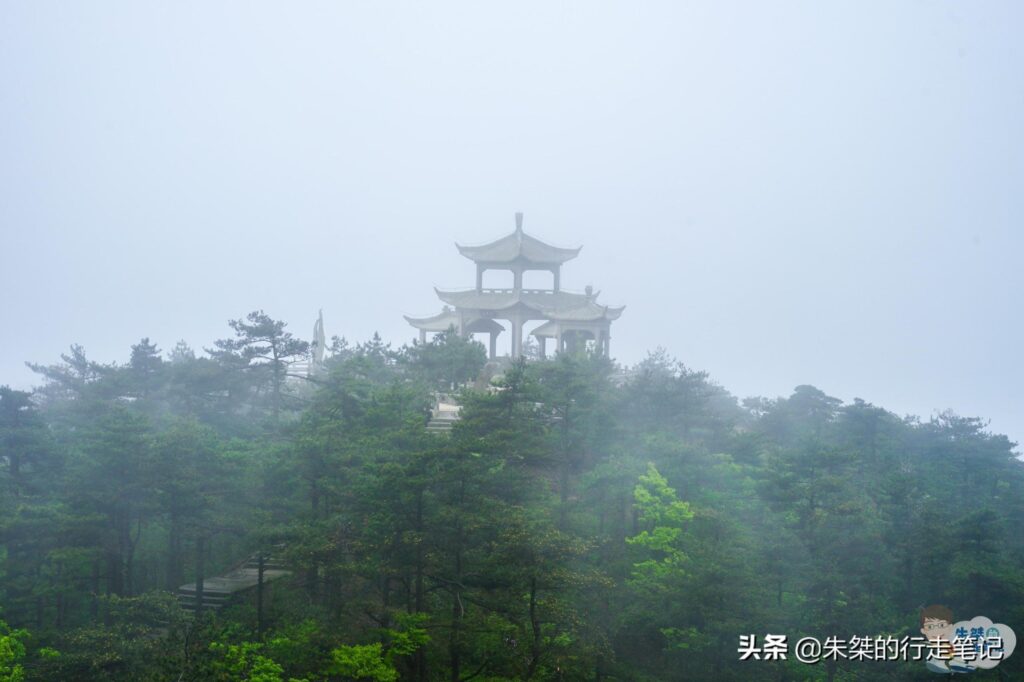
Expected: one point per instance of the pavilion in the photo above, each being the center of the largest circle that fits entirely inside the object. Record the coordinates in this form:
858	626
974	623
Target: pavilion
569	318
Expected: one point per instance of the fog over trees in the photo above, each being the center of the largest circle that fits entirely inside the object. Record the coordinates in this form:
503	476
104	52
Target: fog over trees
579	520
746	277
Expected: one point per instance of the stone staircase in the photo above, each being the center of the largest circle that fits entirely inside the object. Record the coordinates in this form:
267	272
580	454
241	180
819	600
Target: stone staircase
217	590
443	415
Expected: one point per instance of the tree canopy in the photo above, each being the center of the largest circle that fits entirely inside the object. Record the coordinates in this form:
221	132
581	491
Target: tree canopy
581	521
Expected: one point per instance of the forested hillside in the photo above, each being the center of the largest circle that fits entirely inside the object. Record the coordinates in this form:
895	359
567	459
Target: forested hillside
581	521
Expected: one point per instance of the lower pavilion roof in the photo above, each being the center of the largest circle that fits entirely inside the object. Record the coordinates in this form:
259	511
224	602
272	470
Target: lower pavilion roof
548	330
449	318
554	305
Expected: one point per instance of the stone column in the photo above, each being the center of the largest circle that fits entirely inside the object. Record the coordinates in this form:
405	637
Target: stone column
494	344
480	277
542	341
423	336
558	278
517	282
558	340
517	337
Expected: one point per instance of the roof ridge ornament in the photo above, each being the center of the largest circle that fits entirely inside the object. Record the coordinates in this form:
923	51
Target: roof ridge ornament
519	223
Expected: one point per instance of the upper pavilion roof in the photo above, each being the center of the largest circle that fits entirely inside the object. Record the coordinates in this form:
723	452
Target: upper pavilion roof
560	305
518	246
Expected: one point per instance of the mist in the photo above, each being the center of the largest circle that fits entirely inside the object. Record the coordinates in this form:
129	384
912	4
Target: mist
811	212
782	194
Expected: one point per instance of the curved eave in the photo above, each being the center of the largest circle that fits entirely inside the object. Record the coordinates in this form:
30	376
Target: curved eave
484	325
550	256
436	323
597	313
563	306
614	313
547	330
472	300
447	320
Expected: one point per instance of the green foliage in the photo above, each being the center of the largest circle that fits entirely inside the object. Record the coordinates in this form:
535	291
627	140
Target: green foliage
263	351
448	360
243	662
665	513
137	638
579	522
409	636
362	662
378	661
12	652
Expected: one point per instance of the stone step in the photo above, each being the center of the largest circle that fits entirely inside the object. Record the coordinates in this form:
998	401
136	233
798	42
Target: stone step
210	602
217	590
439	426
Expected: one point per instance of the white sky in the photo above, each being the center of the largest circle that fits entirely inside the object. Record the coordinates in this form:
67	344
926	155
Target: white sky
781	193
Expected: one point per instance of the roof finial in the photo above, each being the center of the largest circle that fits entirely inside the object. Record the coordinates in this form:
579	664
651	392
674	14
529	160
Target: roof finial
519	221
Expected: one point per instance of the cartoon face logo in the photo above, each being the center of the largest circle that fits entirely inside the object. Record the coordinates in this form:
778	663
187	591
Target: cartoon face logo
989	643
937	622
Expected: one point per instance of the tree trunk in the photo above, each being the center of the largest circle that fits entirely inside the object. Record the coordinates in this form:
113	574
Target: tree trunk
175	571
59	622
259	598
94	602
200	573
535	627
421	659
454	641
454	645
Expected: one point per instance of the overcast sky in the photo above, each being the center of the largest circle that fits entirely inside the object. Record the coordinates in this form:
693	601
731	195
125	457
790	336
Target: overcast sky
781	193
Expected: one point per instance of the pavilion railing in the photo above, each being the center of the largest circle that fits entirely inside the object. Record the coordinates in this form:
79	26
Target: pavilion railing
486	290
